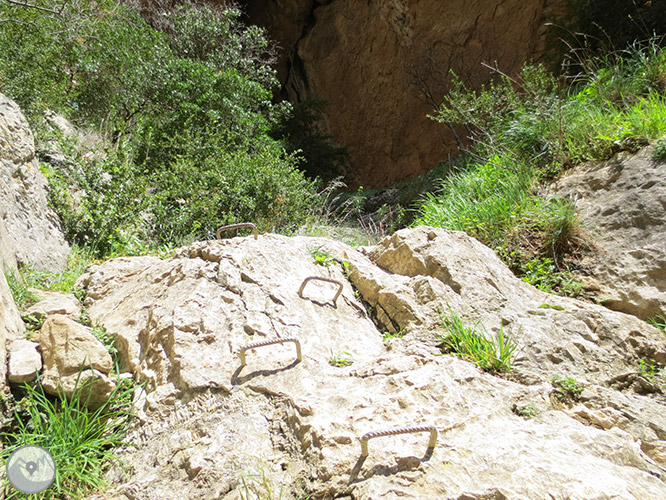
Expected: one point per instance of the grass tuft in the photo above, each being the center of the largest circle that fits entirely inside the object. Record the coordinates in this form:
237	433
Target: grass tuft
489	351
81	440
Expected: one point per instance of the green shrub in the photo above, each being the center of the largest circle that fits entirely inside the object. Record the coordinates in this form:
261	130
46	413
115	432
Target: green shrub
301	131
489	351
321	257
527	129
653	371
183	118
340	359
81	440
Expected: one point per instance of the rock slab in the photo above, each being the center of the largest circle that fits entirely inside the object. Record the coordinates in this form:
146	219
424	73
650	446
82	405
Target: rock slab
74	358
211	427
623	207
25	362
31	233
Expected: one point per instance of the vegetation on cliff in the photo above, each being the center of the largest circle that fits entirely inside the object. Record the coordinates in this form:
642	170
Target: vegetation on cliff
181	119
525	131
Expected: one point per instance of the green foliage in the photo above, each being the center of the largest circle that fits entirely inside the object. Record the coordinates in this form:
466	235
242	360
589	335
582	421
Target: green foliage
527	129
340	359
659	149
653	371
389	336
108	341
77	262
566	388
659	321
23	297
484	200
526	411
489	351
81	440
542	273
301	131
322	256
183	118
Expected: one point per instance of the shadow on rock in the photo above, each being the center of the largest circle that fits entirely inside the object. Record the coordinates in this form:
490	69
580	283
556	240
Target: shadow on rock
237	380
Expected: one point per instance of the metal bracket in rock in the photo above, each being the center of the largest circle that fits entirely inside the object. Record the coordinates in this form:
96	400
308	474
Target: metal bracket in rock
237	226
318	278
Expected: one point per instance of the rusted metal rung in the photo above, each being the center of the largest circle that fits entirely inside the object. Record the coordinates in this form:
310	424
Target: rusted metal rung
237	226
317	278
393	432
270	342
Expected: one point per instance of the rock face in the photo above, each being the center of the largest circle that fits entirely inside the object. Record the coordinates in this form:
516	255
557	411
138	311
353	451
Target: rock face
623	205
11	325
213	427
29	231
383	66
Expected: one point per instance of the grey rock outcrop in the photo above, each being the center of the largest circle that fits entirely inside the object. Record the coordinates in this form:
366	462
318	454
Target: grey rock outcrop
11	325
623	204
30	231
210	427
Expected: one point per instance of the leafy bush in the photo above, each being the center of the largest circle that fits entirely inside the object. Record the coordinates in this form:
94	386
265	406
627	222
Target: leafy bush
301	131
81	440
490	352
183	115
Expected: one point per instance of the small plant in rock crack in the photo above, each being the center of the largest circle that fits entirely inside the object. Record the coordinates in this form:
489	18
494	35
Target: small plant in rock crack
659	149
566	388
340	359
108	341
526	411
659	321
653	371
489	351
389	336
321	256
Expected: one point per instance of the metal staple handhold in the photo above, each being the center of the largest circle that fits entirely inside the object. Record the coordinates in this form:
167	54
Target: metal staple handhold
393	432
270	342
328	280
237	226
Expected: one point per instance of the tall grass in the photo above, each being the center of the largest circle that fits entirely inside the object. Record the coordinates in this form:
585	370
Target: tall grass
489	351
528	129
81	439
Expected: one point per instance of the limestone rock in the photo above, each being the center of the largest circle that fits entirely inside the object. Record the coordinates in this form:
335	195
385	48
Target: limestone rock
31	229
70	353
622	203
51	303
11	325
25	362
383	67
210	427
